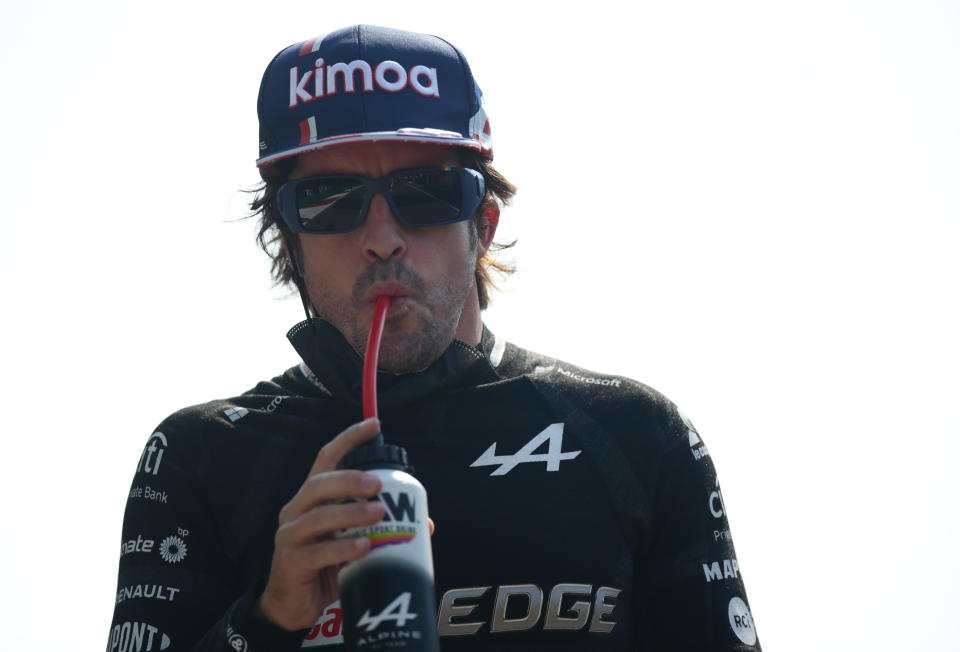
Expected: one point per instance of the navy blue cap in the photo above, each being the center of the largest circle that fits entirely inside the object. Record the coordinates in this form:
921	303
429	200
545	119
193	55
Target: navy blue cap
366	83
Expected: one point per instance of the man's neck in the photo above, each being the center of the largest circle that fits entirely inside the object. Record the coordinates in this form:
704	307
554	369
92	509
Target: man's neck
470	328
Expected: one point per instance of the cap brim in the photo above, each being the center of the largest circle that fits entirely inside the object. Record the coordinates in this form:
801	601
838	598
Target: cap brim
403	135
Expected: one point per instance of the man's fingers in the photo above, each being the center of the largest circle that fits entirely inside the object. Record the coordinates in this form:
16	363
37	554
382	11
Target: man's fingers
299	564
324	483
330	455
326	519
333	485
333	553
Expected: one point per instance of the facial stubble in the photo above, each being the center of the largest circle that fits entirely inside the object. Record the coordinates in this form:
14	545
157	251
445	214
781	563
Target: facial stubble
417	334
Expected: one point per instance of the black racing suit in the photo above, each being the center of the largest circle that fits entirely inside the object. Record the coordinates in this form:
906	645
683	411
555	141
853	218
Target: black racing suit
574	511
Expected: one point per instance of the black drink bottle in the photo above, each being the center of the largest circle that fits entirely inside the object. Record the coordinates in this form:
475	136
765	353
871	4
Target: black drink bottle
387	596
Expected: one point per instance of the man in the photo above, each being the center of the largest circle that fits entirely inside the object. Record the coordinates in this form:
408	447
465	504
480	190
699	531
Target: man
574	511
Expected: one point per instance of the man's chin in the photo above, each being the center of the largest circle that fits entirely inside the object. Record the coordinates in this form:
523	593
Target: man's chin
404	366
406	353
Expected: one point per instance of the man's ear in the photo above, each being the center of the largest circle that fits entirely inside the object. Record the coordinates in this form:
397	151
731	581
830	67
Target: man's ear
491	218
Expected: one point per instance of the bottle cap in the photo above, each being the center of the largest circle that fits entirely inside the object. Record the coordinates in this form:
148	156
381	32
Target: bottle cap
377	456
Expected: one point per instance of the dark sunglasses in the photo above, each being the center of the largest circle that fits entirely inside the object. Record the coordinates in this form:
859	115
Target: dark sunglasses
337	203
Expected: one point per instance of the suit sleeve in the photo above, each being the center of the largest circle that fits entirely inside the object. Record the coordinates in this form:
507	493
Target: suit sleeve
690	592
176	588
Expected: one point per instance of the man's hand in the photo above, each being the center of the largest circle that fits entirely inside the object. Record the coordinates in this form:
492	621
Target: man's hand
303	573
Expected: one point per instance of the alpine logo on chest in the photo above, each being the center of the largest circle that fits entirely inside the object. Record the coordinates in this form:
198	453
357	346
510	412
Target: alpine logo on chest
552	436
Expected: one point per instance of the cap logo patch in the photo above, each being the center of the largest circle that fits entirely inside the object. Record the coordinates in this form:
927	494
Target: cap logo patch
387	75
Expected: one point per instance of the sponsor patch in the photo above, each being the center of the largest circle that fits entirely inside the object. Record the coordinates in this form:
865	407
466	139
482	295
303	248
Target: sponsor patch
398	612
741	622
235	413
570	607
551	435
328	630
274	404
589	380
152	454
147	592
592	611
134	636
724	569
697	448
715	503
172	549
329	79
146	492
236	641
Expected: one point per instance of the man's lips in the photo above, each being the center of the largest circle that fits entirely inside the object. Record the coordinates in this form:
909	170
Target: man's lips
397	292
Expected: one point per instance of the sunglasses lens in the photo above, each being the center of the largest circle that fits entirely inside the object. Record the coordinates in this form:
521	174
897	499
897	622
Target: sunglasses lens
329	204
332	204
427	197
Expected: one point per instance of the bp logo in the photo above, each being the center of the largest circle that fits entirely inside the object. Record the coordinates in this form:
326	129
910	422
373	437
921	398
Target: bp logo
173	550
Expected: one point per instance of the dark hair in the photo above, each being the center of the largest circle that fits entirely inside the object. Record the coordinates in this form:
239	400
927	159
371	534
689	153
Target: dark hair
273	236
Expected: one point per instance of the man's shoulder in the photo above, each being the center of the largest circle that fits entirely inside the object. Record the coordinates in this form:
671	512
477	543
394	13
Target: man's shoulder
624	424
582	384
231	414
618	403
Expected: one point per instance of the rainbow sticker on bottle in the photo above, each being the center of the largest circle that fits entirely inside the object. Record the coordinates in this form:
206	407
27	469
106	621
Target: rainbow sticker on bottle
380	539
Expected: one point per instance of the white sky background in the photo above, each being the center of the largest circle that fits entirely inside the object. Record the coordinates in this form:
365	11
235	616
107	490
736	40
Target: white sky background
751	206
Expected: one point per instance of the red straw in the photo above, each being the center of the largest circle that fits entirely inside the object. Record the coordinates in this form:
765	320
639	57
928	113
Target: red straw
370	358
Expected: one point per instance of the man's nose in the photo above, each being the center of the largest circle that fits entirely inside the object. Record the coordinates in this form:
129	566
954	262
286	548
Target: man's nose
383	236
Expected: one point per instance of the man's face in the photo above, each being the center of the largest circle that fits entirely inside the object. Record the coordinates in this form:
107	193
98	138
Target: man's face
428	271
